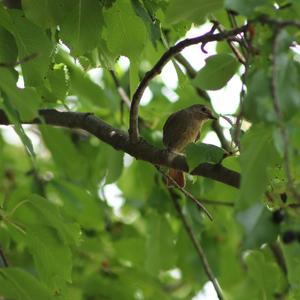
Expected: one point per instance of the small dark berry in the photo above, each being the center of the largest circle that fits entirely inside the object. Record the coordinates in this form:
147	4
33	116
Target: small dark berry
283	197
289	236
278	216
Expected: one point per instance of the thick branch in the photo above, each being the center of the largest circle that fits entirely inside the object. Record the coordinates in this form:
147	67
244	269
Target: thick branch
206	38
119	140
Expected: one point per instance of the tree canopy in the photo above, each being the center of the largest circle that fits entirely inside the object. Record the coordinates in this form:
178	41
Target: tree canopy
77	111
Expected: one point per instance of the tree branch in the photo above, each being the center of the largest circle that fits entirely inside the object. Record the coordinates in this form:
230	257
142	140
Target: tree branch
119	140
172	51
187	193
197	245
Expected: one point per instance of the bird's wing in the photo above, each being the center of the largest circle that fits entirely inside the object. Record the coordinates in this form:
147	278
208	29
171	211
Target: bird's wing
173	126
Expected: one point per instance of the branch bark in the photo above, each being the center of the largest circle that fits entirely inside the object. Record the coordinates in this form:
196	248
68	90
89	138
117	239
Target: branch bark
120	140
172	51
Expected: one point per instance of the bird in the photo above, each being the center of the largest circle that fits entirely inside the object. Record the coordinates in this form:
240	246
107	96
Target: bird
180	129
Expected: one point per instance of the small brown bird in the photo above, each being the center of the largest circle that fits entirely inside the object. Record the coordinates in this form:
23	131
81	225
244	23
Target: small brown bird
181	128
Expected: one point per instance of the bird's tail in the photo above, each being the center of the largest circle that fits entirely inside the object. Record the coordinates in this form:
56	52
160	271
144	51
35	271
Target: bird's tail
177	176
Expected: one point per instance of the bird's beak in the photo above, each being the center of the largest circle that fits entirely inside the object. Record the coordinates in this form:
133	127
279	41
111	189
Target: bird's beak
211	116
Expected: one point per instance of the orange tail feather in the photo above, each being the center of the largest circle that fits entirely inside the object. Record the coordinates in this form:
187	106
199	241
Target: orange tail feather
178	176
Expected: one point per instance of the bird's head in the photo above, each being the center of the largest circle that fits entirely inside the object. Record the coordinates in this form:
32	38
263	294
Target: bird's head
202	112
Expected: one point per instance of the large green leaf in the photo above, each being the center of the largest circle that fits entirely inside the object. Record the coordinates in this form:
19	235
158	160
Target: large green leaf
292	259
14	118
36	210
160	248
262	278
8	47
33	45
64	152
136	181
257	154
258	105
124	32
79	205
217	72
80	29
258	226
244	7
26	101
200	153
81	84
52	257
112	161
20	285
193	10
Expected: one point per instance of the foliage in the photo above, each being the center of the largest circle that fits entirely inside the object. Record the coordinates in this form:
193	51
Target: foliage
60	235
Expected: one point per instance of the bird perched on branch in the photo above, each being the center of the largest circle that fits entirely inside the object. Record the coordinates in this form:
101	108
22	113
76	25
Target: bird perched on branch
181	128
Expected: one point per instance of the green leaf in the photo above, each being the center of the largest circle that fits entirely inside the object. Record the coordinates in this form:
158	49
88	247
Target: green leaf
111	161
258	105
106	58
258	226
8	47
136	181
36	210
79	205
200	153
246	8
263	274
258	153
46	13
131	249
32	42
152	26
52	258
125	33
81	27
81	84
20	285
64	152
26	101
160	247
287	77
292	259
58	82
13	116
193	10
218	70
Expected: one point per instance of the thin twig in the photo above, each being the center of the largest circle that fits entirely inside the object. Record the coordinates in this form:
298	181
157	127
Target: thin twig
242	42
279	115
185	192
240	57
123	95
279	23
217	202
279	257
197	246
19	62
172	51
